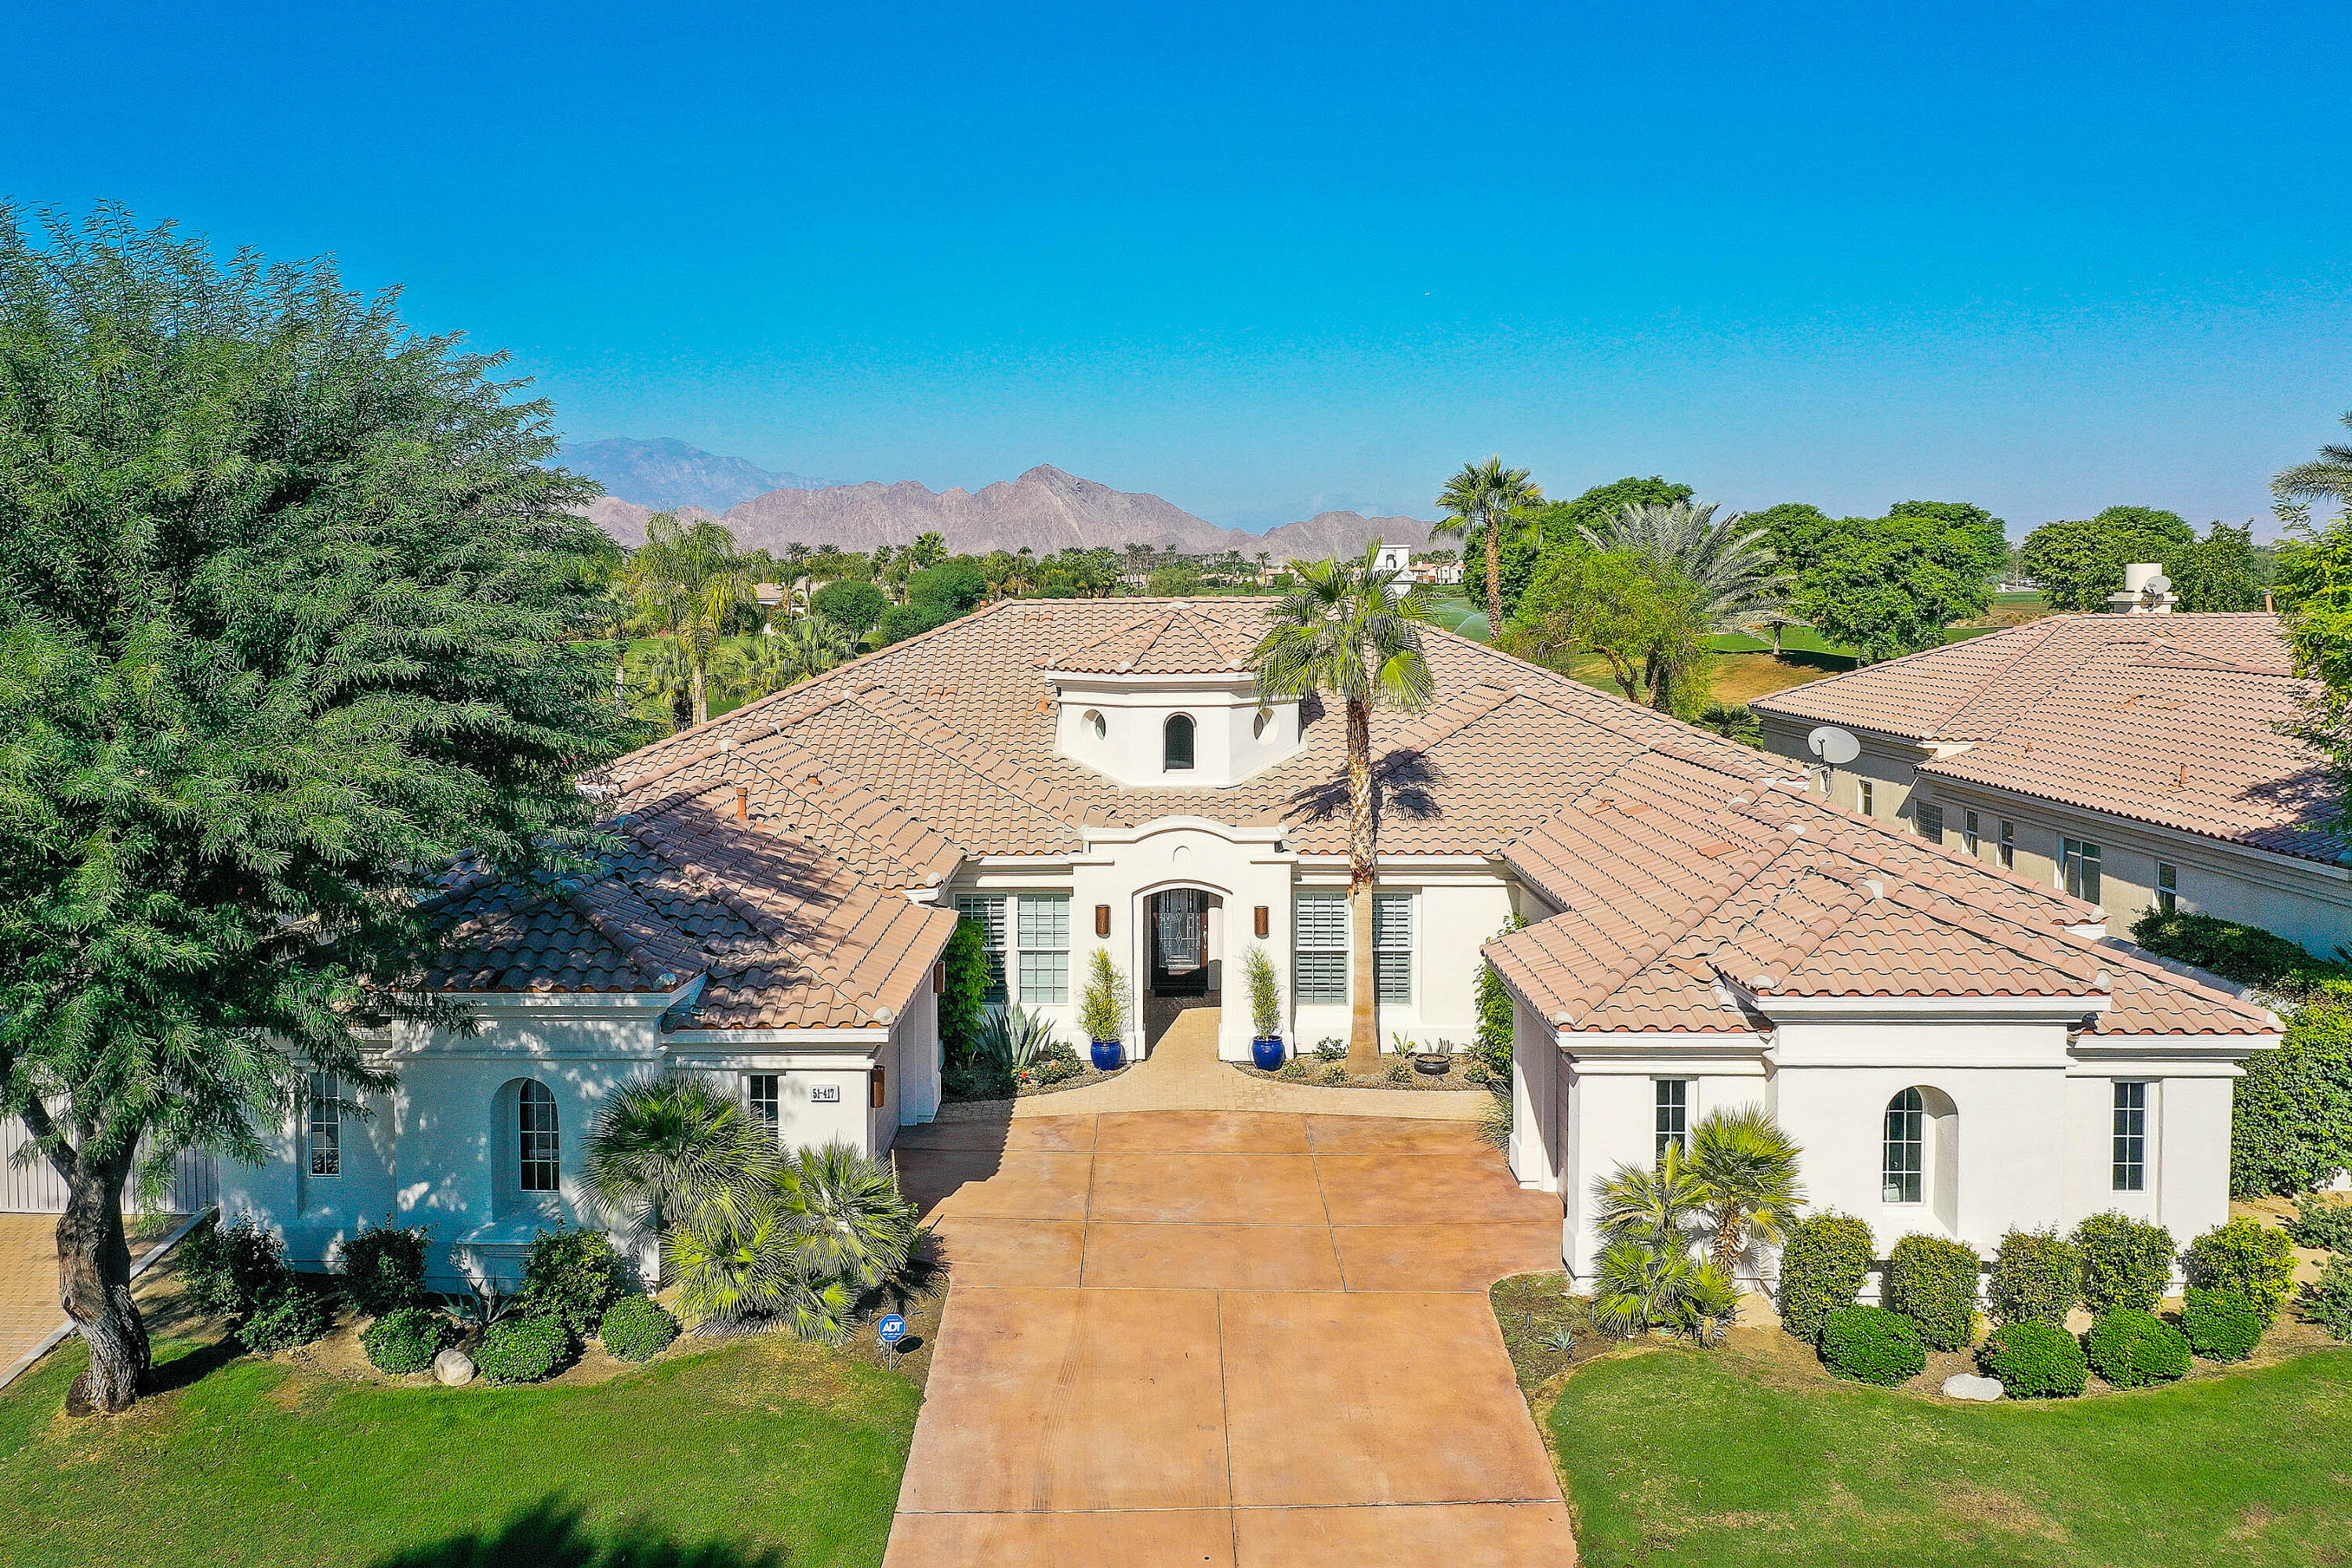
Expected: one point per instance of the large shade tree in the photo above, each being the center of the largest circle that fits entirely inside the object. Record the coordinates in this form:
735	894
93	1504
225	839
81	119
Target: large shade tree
1727	559
1488	501
1347	630
284	592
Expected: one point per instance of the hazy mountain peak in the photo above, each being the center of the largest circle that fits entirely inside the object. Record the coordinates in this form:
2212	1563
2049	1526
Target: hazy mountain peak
666	473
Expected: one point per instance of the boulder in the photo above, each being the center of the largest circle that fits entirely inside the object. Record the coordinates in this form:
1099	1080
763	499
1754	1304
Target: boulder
454	1367
1961	1385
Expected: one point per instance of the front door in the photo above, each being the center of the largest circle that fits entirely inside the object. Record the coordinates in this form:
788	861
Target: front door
1179	942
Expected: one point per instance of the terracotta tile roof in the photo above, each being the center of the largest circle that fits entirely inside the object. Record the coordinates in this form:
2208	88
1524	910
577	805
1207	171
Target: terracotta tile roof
1182	639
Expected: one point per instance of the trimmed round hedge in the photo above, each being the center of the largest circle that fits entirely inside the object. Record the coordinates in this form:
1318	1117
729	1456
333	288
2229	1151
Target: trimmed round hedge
2036	1361
1824	1263
1933	1282
406	1340
1871	1345
523	1350
2132	1349
2222	1325
637	1328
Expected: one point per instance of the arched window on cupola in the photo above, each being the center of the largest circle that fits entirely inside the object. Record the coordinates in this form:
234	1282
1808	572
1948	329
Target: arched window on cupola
1176	745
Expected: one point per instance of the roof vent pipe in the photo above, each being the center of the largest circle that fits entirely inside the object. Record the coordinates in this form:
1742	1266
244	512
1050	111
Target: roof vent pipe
743	802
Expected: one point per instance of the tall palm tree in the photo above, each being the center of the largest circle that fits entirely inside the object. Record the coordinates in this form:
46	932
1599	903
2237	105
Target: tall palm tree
1489	496
689	578
1748	1169
1739	583
664	1147
2328	479
1348	630
772	664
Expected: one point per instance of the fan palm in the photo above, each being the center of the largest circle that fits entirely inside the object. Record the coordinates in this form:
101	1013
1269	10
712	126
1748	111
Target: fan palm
1739	583
744	1264
1346	629
815	644
2329	479
1491	498
1637	1288
1748	1168
662	1148
771	665
666	681
689	578
1663	1205
854	1224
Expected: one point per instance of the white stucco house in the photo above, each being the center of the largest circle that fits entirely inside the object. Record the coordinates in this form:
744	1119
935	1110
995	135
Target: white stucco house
1955	1046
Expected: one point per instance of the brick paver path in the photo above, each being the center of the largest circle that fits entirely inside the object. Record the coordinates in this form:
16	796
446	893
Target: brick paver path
1230	1338
1183	1073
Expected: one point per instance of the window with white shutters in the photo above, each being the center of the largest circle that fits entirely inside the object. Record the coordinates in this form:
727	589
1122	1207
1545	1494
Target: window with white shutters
1320	937
1043	934
1392	947
987	910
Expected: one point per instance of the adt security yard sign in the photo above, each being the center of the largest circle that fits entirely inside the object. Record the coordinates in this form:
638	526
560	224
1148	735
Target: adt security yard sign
890	1330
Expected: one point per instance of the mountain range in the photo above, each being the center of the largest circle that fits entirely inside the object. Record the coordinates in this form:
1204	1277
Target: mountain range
669	473
1044	509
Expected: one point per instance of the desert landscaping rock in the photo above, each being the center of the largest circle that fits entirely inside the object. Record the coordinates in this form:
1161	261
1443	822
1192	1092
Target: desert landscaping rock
454	1368
1961	1385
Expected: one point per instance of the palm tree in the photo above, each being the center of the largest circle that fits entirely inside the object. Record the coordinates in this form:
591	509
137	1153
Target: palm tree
2328	479
856	1226
1739	583
1659	1204
662	1148
668	677
689	578
815	644
1637	1288
1748	1169
772	665
1346	629
1490	497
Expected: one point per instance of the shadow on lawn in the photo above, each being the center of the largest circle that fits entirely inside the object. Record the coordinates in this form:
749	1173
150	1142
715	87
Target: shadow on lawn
549	1534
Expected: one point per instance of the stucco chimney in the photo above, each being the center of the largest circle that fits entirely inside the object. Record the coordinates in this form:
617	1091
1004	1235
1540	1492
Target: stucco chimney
2146	591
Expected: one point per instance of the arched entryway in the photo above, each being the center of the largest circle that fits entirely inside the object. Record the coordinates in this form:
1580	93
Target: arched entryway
1182	969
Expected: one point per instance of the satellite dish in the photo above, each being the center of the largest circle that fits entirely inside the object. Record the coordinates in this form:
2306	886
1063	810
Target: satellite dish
1834	746
2158	586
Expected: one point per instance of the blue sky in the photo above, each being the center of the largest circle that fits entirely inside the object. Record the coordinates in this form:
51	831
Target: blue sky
1267	260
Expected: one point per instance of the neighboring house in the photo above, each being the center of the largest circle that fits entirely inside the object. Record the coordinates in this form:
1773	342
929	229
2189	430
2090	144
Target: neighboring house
1392	558
1076	774
2133	760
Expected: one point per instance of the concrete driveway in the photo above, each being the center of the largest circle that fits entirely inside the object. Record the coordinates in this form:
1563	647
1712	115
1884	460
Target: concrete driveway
1230	1338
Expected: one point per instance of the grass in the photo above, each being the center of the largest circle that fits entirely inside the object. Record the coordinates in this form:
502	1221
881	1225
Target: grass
748	1452
1675	1457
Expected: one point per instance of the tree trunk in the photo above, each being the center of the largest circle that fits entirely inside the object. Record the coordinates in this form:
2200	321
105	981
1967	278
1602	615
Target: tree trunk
701	697
621	686
1727	1244
1494	580
1363	1025
94	1285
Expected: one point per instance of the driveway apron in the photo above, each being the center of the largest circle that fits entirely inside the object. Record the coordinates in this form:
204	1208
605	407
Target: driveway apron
1230	1338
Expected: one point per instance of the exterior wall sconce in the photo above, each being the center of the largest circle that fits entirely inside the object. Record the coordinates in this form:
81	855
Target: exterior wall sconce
939	978
875	1099
1261	922
1102	920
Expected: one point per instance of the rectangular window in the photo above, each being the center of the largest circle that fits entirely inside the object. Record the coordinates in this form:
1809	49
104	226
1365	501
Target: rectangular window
1392	948
1674	1116
764	1092
1865	797
2007	844
988	910
2131	1137
1320	937
326	1125
1931	822
1969	834
2079	863
2167	888
1044	934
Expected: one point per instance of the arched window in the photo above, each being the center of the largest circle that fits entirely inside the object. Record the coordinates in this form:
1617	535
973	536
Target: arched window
539	1147
1176	751
1903	1163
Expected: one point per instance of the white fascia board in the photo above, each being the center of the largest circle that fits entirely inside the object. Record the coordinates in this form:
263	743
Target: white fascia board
2173	1052
984	864
1270	838
1741	1052
1242	683
488	1047
713	1039
1927	1009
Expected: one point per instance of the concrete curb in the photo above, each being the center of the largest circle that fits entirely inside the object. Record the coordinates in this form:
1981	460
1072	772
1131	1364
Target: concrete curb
58	1335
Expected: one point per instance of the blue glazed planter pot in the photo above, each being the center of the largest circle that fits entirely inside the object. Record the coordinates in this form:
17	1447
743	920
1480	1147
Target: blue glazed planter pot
1266	1050
1106	1054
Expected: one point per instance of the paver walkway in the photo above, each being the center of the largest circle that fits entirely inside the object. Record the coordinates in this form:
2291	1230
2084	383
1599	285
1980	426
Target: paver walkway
1183	1073
28	1283
1237	1339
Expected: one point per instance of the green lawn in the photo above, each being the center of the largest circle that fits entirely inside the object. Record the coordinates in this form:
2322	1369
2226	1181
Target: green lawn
753	1452
1681	1457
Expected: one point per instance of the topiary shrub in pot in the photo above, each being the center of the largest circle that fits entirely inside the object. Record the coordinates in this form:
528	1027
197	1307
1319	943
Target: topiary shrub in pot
523	1350
1871	1345
2037	1277
383	1267
1103	1006
292	1315
2036	1361
638	1329
406	1340
1824	1263
2126	1263
573	1276
2245	1255
2132	1349
1266	1009
2222	1325
1933	1282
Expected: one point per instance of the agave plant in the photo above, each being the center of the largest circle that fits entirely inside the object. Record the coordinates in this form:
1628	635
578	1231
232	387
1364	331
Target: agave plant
664	1147
1014	1040
479	1309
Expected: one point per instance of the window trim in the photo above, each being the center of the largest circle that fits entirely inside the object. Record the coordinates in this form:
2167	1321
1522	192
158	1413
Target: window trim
1667	1109
2127	1150
326	1094
1971	832
766	1109
1865	796
1168	749
2008	849
1001	918
1383	929
1922	814
1911	1135
1043	994
2078	868
539	1150
2167	888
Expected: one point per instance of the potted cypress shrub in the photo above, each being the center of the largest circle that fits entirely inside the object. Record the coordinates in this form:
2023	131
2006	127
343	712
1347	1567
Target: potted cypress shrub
1266	1010
1102	1009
